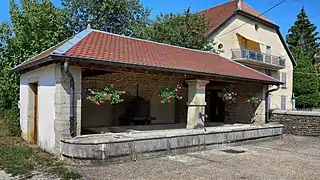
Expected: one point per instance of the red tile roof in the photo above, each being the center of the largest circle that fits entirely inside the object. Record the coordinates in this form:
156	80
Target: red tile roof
97	46
219	14
108	47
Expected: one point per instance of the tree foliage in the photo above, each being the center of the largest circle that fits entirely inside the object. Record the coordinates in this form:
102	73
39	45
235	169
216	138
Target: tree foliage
36	26
302	40
303	35
306	82
116	16
185	30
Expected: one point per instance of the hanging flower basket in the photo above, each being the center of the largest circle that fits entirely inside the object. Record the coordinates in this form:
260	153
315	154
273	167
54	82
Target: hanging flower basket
228	95
100	96
167	93
253	100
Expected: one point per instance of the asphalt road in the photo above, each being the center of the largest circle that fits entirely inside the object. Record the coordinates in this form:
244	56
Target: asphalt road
291	157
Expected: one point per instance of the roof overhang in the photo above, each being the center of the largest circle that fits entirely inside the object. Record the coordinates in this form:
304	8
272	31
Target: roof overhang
61	58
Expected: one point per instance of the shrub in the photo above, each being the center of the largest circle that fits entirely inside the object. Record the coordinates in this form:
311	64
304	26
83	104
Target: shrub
13	121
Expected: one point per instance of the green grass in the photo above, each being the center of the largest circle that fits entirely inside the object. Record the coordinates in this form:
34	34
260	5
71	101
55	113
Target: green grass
65	173
16	160
19	158
3	128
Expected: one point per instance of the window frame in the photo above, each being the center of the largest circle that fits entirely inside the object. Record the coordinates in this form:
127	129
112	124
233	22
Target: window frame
283	102
284	80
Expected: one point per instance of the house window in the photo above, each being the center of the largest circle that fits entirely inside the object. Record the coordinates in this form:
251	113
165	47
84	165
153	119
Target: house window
268	50
283	102
284	80
268	54
269	72
220	46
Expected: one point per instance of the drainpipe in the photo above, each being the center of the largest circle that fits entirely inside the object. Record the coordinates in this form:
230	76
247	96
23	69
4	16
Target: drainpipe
267	99
72	102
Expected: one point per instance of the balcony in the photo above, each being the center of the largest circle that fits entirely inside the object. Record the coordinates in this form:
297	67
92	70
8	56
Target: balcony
257	59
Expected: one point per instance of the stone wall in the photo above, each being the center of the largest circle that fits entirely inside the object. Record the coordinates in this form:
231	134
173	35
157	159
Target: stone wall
62	103
104	149
96	116
128	81
241	111
302	123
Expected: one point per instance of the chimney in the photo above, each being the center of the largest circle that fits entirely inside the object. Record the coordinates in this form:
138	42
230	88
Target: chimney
89	24
239	3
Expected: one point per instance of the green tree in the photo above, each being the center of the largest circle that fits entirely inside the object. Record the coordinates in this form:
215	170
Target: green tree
185	30
305	81
303	35
5	35
116	16
36	26
302	40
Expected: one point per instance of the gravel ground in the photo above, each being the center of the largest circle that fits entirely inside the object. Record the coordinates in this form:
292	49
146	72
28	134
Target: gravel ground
35	176
291	157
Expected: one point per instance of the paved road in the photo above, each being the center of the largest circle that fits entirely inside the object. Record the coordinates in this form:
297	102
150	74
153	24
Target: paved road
291	157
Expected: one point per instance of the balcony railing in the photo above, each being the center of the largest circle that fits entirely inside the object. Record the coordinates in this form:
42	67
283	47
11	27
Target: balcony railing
244	54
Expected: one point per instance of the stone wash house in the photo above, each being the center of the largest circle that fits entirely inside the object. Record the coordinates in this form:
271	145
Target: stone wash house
53	88
241	34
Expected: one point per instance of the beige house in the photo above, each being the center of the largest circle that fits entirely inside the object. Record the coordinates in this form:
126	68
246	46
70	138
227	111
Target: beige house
241	34
54	89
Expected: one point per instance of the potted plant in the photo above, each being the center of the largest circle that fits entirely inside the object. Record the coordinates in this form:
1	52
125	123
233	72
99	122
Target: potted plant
99	96
254	101
167	93
228	95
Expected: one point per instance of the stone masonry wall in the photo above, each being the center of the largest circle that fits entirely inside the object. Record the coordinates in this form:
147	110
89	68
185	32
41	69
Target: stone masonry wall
148	85
243	112
302	123
62	103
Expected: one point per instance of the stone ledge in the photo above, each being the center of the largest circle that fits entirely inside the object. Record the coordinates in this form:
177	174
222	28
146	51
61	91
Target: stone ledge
88	147
296	113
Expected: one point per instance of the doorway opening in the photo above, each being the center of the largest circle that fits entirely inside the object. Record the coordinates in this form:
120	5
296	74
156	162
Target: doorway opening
215	108
34	131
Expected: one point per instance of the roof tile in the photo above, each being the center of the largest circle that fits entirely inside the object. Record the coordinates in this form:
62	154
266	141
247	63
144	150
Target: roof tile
219	14
115	48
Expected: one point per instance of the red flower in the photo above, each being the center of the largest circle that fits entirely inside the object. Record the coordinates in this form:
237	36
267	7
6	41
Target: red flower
155	90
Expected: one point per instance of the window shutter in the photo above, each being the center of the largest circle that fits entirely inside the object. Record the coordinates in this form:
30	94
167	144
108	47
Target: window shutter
284	80
283	102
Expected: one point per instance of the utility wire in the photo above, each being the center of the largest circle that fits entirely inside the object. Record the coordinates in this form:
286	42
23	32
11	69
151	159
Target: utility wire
252	19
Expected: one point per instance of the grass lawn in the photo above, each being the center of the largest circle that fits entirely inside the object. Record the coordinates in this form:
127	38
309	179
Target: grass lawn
20	158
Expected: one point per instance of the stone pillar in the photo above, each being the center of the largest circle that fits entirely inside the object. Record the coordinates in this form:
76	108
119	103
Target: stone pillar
260	113
196	102
62	103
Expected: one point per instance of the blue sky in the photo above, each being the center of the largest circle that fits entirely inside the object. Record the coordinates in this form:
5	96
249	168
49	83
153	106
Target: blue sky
284	15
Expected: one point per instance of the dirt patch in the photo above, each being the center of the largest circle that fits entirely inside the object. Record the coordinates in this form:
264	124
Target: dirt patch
233	151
